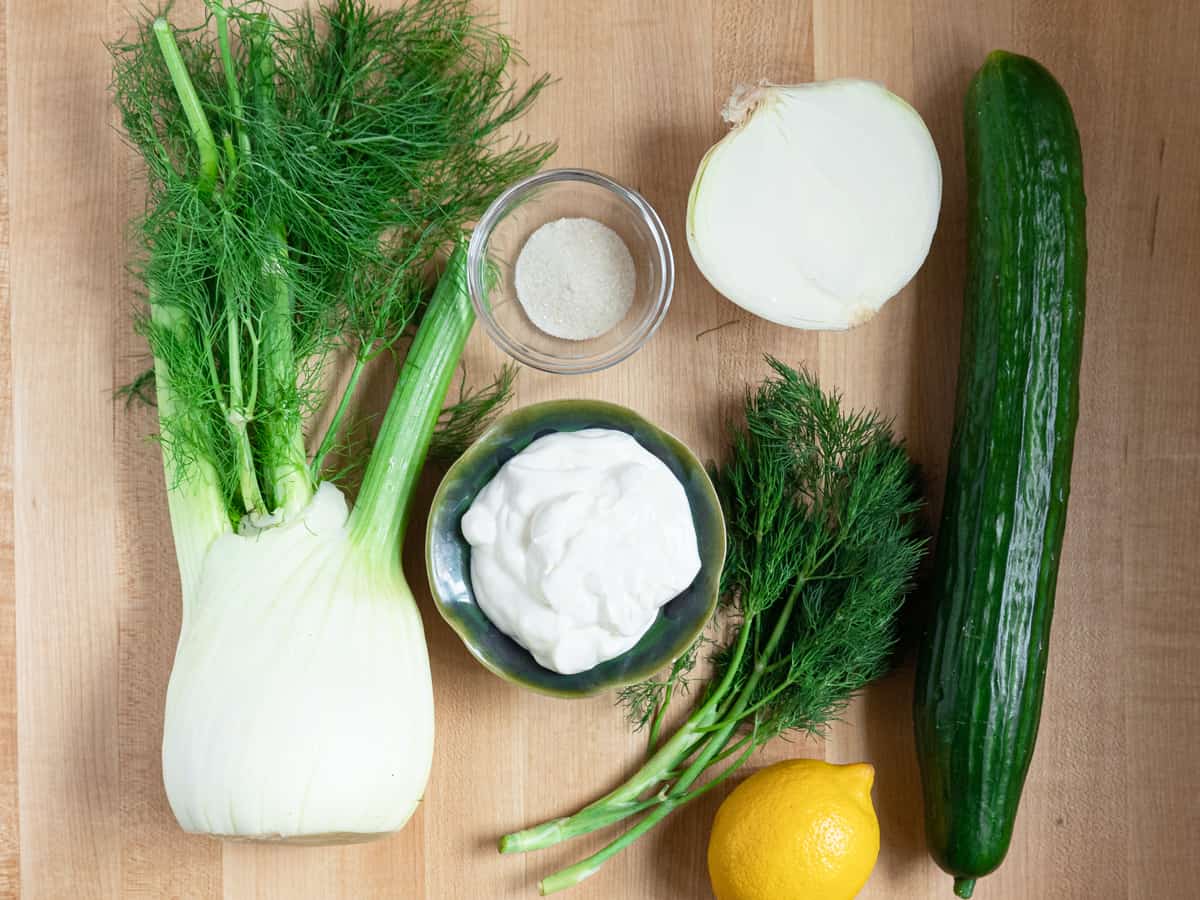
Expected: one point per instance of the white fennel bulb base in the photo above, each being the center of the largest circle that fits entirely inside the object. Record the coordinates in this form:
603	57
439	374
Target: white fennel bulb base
300	706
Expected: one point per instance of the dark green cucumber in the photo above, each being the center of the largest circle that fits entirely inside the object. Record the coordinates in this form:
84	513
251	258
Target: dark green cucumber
982	662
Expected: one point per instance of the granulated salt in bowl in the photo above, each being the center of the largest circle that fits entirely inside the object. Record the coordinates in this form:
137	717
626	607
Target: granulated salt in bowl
570	271
575	278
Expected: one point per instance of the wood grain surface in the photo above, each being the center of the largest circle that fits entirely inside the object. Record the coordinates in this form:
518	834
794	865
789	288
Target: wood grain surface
89	606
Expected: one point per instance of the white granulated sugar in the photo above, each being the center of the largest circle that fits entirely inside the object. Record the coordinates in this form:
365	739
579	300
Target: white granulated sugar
575	278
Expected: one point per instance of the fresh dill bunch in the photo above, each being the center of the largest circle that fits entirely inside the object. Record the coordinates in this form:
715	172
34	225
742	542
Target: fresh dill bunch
822	503
824	544
305	171
820	509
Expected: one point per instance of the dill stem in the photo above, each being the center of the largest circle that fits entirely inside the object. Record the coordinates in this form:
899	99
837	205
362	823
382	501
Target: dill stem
741	704
733	748
202	134
615	806
679	794
728	751
572	875
746	745
768	697
664	806
656	723
735	716
331	432
661	766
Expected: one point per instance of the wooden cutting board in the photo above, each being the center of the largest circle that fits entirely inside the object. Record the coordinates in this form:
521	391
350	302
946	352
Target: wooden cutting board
89	607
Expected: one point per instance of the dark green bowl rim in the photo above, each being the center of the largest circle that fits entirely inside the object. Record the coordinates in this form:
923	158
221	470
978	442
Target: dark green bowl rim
700	493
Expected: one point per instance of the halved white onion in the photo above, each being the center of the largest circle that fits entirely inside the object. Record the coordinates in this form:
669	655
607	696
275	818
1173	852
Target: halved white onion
819	205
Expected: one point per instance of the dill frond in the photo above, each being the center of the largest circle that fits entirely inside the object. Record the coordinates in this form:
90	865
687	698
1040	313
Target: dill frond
139	391
463	421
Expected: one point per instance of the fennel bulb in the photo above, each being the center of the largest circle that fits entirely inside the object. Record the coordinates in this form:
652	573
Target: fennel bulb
303	180
300	702
819	205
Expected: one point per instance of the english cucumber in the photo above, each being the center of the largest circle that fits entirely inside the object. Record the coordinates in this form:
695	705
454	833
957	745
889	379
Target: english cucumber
982	663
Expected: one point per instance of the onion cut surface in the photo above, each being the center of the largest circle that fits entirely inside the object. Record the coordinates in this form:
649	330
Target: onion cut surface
819	205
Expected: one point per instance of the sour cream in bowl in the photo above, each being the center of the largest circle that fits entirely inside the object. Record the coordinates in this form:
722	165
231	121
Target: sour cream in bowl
576	547
576	544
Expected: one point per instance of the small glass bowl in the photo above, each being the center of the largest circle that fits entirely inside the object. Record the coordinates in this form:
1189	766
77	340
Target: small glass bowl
522	209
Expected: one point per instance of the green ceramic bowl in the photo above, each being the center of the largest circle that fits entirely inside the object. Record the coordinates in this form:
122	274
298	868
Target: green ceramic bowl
448	555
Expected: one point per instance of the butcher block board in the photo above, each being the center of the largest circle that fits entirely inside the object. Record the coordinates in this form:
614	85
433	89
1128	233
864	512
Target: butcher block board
89	597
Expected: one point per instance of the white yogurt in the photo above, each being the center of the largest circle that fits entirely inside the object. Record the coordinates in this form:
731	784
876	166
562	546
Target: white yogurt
576	544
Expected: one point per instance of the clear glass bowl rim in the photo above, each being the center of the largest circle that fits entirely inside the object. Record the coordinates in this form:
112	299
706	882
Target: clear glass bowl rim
477	266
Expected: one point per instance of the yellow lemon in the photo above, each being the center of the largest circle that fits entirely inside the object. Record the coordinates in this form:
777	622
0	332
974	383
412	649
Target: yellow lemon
798	830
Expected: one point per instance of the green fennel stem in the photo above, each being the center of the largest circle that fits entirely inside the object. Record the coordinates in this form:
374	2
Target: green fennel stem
381	513
335	423
221	14
190	101
238	416
194	501
291	484
206	146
